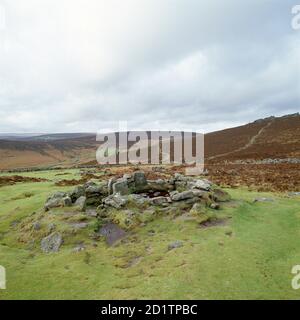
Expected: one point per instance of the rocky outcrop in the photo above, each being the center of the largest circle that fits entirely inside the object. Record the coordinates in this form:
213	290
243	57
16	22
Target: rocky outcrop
179	196
116	201
52	243
95	193
133	191
58	199
121	187
80	203
121	204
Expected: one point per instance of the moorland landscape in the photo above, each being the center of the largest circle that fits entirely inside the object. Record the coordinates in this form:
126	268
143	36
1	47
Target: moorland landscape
71	228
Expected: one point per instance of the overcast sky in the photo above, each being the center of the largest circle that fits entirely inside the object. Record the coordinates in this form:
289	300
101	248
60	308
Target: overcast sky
83	65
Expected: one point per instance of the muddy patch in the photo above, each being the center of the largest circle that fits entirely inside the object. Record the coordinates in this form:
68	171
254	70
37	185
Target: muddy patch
11	180
62	174
214	223
112	233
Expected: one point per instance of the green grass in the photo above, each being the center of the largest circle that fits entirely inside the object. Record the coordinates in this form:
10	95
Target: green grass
249	258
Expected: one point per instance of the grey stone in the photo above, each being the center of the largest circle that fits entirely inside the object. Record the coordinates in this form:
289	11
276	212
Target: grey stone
94	189
181	177
116	200
263	200
138	199
110	185
55	200
76	193
159	201
199	193
181	185
58	195
174	245
52	243
182	196
53	203
37	226
121	187
201	184
294	194
140	181
95	194
92	212
112	233
66	201
81	203
79	225
127	176
160	185
89	184
197	209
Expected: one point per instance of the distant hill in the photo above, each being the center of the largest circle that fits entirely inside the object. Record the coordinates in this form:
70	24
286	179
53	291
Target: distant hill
273	137
265	138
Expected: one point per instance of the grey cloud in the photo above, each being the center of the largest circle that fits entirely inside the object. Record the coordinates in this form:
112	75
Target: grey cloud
71	66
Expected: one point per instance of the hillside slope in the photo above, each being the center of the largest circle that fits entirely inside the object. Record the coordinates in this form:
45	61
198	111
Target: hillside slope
275	138
266	138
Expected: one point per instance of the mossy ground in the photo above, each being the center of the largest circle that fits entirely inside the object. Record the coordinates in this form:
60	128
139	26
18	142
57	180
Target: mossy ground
250	257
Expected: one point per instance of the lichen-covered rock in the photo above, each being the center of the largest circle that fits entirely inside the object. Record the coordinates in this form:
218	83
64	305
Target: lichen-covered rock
95	193
160	185
58	195
181	177
139	200
201	184
121	187
263	200
110	185
140	181
159	201
112	233
182	196
199	193
89	184
79	225
81	203
116	201
174	245
76	193
66	201
197	209
52	243
58	199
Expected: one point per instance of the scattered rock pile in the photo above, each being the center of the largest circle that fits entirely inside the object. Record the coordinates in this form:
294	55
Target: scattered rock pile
134	200
135	188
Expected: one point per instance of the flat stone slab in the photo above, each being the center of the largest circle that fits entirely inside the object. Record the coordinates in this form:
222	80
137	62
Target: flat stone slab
112	233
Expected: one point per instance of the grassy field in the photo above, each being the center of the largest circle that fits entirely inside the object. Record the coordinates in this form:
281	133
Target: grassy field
250	257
